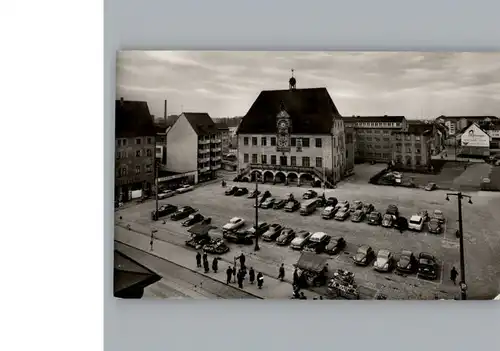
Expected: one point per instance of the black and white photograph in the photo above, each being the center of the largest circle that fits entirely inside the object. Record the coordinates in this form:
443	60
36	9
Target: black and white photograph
307	175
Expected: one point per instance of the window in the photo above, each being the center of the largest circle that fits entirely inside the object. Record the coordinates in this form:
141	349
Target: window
408	150
273	159
398	136
124	171
138	153
263	159
417	151
387	156
305	161
407	137
118	155
254	141
369	131
138	141
398	148
387	139
283	160
305	142
293	142
293	160
137	169
245	141
273	141
148	169
369	138
149	153
377	146
318	142
376	138
417	137
376	131
319	161
254	158
263	141
408	160
418	160
119	142
149	140
245	158
124	142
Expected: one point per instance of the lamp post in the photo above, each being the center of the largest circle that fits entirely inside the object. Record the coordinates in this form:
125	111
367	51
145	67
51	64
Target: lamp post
463	285
256	247
156	188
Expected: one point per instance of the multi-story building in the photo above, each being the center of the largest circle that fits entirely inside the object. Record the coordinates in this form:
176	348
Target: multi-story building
412	147
134	149
350	147
293	135
194	145
225	136
373	136
454	124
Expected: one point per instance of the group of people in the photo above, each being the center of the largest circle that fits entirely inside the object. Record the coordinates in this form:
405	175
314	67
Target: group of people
206	266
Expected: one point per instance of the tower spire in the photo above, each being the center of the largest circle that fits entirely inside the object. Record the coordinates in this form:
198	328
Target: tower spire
292	82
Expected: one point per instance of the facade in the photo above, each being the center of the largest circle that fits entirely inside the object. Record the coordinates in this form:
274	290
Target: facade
194	145
292	136
456	123
373	136
494	133
134	149
474	142
412	147
350	147
225	136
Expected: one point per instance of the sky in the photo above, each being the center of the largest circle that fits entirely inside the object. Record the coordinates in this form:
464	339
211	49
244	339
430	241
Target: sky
225	83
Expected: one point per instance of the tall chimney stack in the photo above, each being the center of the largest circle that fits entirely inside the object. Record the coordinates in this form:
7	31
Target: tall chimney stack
165	111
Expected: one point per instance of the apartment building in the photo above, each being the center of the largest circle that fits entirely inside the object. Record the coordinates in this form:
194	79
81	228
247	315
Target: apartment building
412	147
225	136
454	124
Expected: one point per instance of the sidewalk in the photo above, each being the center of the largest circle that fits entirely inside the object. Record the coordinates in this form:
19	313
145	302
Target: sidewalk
272	287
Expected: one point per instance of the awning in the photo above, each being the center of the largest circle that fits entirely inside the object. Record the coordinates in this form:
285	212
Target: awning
310	261
200	229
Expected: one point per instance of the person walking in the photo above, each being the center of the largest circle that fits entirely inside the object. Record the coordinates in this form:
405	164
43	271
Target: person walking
205	258
281	274
206	266
240	279
251	275
260	280
215	264
295	277
242	260
198	260
151	244
302	296
454	275
234	273
229	274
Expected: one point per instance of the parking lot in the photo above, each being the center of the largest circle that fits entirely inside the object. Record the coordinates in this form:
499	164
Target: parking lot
481	228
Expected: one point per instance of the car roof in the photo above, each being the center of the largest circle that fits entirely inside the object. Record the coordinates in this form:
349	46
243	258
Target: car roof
235	218
406	253
329	208
318	235
426	255
415	218
384	252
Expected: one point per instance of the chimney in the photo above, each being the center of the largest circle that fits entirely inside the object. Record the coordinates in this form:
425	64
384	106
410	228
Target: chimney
121	100
165	111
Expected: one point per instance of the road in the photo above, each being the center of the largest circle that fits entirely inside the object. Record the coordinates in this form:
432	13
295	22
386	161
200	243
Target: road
178	282
481	223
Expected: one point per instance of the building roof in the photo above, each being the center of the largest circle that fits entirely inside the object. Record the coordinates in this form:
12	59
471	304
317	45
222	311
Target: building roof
222	126
473	118
201	122
374	119
132	119
311	111
417	129
129	275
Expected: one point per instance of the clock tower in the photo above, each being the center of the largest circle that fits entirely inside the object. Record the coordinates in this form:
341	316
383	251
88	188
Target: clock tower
284	126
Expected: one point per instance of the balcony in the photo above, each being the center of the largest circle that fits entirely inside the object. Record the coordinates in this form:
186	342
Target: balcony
204	169
216	141
217	166
203	151
216	149
280	167
203	159
216	158
204	141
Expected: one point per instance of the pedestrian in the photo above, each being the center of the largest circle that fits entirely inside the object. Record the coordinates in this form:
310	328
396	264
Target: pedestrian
151	245
302	296
205	258
260	280
453	275
242	260
281	274
215	264
198	260
206	266
251	275
295	277
240	279
229	274
234	273
321	297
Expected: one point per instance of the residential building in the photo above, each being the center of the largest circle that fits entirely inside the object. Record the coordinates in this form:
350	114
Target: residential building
456	123
474	142
412	147
437	134
493	130
373	136
134	149
293	135
350	147
225	136
194	145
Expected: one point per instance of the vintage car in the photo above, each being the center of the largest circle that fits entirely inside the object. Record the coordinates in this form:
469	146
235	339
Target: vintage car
335	245
375	218
401	224
424	214
263	197
342	214
312	270
292	205
233	224
356	205
268	203
253	194
231	191
309	194
184	189
407	262
416	223
320	201
238	237
331	201
166	194
392	210
434	226
438	214
286	237
388	220
300	240
368	208
431	187
364	255
328	212
341	204
193	219
272	233
278	205
358	216
427	266
182	213
384	261
262	228
216	246
198	241
317	242
163	210
241	192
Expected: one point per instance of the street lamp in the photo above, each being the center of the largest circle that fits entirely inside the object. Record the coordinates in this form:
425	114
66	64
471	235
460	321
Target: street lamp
463	285
256	247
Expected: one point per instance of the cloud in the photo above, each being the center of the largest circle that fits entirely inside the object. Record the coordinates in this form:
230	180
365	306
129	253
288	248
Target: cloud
361	83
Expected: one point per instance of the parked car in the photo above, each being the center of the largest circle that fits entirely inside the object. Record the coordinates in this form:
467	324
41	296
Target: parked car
431	186
384	261
356	205
317	242
301	240
341	204
308	207
427	266
309	194
407	262
393	210
182	213
335	245
268	203
166	194
198	241
438	214
233	224
272	233
278	205
253	194
388	220
328	212
368	208
263	197
241	192
342	214
216	246
434	226
231	191
262	228
163	210
320	201
331	201
358	216
424	214
364	255
375	218
286	237
401	224
184	189
238	237
416	223
193	219
292	205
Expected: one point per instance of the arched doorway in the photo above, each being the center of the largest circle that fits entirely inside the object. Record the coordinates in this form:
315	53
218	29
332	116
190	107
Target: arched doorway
268	176
255	174
292	178
305	178
279	177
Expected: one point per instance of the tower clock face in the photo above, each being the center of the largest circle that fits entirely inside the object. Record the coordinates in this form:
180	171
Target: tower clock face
283	124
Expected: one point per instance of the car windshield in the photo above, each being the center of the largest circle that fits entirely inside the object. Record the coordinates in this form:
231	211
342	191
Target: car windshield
438	212
191	217
316	238
363	249
374	215
333	242
415	220
405	254
383	254
234	220
434	222
387	217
